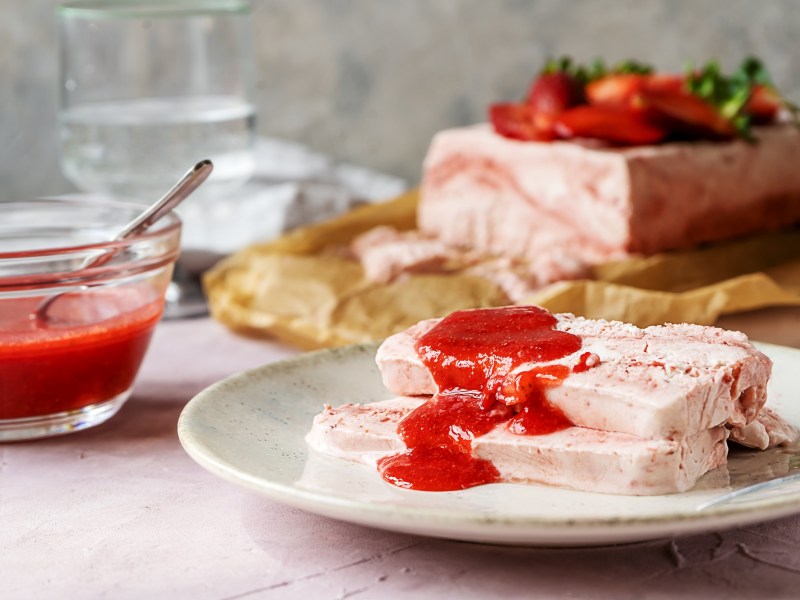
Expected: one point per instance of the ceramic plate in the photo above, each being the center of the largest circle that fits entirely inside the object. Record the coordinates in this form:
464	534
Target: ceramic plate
250	428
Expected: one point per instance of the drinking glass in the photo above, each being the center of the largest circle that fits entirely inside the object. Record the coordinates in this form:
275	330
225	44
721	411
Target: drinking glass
150	87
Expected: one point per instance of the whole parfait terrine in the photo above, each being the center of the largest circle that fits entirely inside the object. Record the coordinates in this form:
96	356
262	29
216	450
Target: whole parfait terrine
598	166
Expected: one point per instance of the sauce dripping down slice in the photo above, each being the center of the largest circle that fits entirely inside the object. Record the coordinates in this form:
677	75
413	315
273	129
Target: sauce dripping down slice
471	355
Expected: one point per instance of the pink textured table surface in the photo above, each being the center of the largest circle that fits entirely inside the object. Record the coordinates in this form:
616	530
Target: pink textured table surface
121	511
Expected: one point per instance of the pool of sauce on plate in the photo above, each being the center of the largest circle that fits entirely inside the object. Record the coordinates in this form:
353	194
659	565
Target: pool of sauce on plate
471	355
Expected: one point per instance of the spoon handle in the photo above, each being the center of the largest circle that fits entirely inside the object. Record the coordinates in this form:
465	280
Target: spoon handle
187	184
772	484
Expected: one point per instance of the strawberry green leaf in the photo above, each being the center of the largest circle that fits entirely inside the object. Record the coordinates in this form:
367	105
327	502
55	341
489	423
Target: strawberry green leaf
729	94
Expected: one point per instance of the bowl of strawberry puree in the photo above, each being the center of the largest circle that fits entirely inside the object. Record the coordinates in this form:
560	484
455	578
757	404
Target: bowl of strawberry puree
77	310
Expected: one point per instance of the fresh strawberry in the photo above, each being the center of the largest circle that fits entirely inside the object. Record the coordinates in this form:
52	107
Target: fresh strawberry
687	114
621	90
520	122
609	123
764	104
553	93
631	104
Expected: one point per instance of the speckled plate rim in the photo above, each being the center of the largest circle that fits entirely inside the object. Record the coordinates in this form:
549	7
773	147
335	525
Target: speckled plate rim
476	527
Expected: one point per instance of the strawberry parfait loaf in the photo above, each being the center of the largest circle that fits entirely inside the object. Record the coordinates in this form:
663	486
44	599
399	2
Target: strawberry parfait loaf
517	394
597	165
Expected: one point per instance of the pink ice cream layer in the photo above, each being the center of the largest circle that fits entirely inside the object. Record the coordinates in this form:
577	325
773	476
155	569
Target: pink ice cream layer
576	458
658	382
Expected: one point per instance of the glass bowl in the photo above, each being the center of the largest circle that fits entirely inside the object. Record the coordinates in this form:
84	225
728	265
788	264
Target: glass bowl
76	310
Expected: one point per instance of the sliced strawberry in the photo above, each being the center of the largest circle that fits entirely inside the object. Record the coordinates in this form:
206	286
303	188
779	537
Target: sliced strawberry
609	123
552	93
686	113
520	122
665	81
764	104
615	90
624	89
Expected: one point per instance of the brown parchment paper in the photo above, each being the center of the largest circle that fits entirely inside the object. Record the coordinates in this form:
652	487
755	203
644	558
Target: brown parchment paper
297	290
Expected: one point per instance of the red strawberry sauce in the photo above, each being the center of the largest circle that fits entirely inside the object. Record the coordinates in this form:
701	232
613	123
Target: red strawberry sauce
471	355
87	353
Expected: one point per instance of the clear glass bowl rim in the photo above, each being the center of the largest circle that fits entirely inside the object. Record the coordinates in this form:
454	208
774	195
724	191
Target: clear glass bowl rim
165	227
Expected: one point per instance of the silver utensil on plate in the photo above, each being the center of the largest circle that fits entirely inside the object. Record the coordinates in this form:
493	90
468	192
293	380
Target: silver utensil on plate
773	485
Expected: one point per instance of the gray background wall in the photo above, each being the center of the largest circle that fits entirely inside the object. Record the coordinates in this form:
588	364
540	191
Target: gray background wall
370	81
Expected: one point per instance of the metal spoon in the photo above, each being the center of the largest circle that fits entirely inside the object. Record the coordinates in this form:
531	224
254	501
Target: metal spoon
177	194
785	484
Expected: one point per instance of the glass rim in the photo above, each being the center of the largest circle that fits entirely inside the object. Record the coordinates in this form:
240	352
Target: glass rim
124	9
166	226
